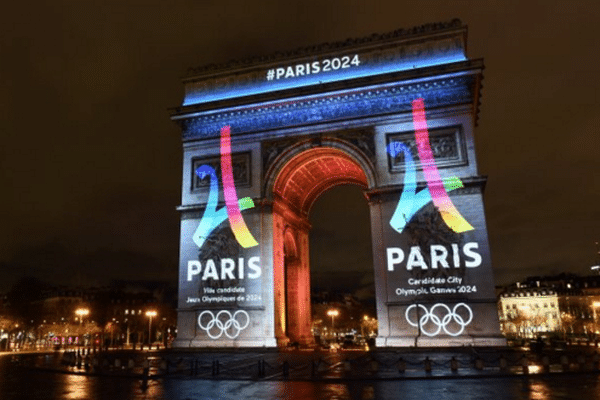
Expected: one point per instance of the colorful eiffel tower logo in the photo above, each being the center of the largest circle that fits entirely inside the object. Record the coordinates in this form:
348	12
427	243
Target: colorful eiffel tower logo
437	188
212	217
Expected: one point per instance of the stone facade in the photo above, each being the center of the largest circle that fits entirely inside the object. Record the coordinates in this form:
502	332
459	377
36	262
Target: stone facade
297	129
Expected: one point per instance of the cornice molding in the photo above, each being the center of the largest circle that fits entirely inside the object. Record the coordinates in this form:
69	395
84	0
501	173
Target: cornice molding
362	102
473	185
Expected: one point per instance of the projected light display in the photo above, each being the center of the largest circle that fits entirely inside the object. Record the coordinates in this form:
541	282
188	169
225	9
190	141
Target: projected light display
439	257
436	271
324	70
439	318
437	188
226	279
410	201
238	226
223	323
352	112
439	195
212	217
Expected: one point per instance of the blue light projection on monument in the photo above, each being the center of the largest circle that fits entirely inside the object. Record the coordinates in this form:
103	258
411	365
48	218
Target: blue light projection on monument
319	72
347	122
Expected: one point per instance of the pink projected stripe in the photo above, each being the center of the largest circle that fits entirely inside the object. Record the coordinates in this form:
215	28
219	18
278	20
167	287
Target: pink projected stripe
440	198
238	226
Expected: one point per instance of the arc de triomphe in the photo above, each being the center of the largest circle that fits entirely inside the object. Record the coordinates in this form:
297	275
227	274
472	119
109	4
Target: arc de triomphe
264	138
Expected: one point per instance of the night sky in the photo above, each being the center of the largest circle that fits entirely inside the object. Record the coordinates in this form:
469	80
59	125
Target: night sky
90	163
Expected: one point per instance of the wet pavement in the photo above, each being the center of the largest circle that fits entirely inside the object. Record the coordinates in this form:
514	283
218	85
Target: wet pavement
317	365
310	376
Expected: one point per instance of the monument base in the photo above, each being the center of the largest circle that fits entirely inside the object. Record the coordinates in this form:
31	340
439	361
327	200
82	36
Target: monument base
241	343
424	341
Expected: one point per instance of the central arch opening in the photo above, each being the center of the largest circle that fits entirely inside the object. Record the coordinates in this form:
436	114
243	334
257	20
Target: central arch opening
300	182
341	268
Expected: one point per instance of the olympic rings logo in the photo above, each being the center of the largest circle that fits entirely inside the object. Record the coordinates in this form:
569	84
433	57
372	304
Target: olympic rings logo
223	323
441	322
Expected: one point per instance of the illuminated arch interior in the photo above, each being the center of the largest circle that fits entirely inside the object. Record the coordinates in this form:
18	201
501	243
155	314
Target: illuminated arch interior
312	172
297	186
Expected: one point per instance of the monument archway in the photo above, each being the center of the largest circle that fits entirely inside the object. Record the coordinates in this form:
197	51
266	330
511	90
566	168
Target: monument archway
301	180
394	114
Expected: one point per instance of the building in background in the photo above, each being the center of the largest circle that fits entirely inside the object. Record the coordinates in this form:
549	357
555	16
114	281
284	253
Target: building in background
342	318
563	306
529	312
125	314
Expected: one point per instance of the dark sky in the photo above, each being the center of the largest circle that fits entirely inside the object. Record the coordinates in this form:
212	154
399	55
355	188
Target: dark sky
90	163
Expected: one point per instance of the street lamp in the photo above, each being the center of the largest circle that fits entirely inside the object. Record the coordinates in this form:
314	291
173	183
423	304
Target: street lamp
362	325
595	307
332	313
82	312
150	314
